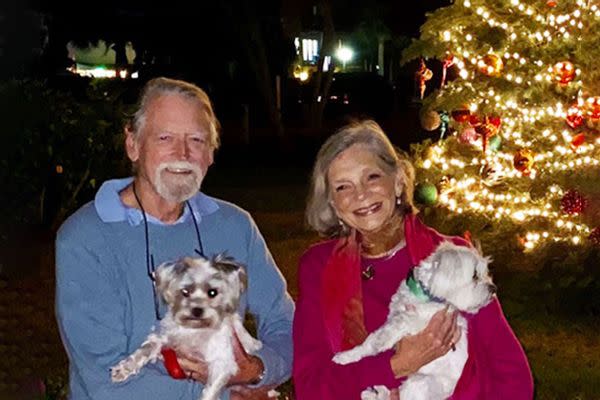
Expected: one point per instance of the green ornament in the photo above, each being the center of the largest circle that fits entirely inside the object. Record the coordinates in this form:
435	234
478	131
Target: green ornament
426	193
495	142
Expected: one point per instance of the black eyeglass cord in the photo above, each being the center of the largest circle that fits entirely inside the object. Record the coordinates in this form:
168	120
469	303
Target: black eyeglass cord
150	268
200	249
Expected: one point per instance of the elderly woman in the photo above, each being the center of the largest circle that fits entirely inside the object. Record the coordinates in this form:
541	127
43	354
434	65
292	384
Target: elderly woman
361	194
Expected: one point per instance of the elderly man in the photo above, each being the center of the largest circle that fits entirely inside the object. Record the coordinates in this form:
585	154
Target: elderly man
105	252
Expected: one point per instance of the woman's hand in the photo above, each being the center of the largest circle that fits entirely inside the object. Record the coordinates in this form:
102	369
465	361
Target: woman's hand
412	352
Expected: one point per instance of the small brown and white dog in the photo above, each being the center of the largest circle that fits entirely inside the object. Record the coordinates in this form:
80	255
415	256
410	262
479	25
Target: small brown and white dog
202	297
453	276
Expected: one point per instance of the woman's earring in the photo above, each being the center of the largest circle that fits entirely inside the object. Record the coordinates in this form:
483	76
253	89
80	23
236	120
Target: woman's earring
398	200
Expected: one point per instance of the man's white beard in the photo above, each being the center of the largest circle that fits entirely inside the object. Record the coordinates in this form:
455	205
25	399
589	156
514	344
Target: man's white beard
174	187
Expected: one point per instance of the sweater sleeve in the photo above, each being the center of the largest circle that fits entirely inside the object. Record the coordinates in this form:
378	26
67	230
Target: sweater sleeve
270	303
316	376
504	359
90	315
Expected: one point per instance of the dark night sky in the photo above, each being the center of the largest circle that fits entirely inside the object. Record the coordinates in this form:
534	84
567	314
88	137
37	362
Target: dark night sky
185	18
204	34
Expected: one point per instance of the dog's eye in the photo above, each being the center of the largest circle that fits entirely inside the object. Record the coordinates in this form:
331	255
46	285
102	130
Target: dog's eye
475	275
212	293
185	292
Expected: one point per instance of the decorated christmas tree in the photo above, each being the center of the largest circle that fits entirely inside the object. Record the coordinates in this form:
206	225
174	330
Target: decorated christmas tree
518	110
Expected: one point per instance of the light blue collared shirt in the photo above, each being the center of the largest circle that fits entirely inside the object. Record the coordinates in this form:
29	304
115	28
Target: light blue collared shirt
110	208
104	298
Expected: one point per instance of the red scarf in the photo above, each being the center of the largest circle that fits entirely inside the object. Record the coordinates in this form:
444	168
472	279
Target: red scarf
340	284
341	277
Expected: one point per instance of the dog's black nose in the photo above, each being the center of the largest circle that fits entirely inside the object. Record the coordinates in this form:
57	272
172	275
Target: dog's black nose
492	288
197	312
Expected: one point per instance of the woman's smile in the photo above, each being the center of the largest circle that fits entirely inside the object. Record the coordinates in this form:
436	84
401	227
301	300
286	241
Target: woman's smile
366	211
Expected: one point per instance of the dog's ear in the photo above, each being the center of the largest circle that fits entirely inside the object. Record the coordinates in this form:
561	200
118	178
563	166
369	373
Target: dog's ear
424	271
165	273
229	265
222	262
243	279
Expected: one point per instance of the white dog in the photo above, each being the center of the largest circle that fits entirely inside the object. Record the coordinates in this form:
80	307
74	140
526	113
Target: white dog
453	276
203	297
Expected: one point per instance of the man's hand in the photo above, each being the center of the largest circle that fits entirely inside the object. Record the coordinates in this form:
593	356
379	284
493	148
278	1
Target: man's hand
194	369
246	393
250	367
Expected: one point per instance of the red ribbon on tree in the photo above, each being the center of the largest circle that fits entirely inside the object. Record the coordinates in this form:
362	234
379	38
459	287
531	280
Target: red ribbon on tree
447	63
422	75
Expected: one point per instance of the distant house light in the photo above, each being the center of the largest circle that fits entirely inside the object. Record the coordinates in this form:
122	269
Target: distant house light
326	63
297	45
99	71
344	54
310	50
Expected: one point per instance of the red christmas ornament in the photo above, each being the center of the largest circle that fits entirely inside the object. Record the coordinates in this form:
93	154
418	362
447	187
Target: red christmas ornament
495	120
577	141
592	107
461	115
595	236
574	116
563	72
551	3
573	202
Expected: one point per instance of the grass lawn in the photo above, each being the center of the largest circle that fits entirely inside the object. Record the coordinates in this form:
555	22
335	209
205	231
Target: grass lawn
564	352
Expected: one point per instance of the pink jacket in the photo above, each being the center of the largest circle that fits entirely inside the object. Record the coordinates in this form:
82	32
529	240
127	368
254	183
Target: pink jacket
496	369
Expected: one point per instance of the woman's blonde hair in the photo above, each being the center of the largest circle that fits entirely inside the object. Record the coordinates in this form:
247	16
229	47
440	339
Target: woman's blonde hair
320	214
165	86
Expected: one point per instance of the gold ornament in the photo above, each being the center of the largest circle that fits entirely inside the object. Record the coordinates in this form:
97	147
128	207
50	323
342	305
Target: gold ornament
523	161
444	184
490	65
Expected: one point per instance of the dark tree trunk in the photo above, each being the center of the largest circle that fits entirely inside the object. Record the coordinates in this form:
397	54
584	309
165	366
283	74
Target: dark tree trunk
119	46
322	80
256	53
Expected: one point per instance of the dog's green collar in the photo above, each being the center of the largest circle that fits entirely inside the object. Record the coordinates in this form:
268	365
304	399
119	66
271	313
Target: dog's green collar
417	289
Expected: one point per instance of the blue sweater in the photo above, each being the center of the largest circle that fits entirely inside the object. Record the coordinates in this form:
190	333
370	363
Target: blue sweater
104	298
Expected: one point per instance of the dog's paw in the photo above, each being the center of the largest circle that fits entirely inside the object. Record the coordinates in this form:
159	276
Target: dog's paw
343	358
254	346
122	371
375	393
